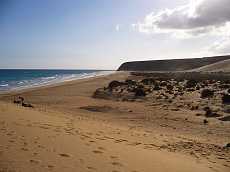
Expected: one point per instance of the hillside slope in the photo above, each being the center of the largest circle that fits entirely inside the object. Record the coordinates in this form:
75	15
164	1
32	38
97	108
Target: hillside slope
171	65
223	66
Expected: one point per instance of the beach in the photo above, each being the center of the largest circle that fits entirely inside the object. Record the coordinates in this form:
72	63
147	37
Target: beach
69	130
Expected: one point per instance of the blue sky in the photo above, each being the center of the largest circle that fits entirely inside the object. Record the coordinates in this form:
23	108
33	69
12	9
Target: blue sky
95	34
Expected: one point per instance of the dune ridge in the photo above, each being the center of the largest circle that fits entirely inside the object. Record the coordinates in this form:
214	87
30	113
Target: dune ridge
221	66
171	65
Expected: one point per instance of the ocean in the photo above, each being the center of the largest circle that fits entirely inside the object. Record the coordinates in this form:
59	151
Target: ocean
15	79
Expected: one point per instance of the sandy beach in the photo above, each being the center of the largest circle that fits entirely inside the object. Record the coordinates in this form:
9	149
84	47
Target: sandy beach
69	130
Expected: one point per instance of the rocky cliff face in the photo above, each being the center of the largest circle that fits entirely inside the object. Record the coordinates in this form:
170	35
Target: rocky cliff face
171	65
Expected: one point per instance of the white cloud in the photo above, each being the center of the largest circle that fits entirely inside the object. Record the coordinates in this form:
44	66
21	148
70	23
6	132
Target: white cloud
197	18
117	28
221	46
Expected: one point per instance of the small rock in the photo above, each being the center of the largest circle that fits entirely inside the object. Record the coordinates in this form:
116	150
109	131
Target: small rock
226	99
205	121
227	145
226	118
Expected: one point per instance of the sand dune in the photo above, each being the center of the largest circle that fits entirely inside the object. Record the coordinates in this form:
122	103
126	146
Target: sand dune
223	66
68	130
37	141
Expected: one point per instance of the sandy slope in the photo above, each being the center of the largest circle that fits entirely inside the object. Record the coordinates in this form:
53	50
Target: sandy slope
223	66
60	134
35	141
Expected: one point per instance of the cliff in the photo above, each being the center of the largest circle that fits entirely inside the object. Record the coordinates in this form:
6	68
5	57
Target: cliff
172	64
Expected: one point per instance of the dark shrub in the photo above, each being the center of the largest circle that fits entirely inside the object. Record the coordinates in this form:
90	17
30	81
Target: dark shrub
207	93
148	81
194	107
130	82
139	92
226	99
191	83
209	113
169	87
197	87
114	84
190	89
163	83
225	86
101	93
157	87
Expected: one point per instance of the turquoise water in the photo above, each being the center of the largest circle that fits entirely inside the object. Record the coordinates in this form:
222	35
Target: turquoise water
11	79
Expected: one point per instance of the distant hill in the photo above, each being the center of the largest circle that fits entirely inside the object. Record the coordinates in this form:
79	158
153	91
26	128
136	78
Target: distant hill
223	66
172	64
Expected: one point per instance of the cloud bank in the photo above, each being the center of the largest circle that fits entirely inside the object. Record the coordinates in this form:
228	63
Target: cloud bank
197	18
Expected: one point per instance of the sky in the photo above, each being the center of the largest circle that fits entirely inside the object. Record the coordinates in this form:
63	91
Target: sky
102	34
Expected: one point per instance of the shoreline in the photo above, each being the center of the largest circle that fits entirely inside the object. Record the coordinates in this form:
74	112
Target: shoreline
59	83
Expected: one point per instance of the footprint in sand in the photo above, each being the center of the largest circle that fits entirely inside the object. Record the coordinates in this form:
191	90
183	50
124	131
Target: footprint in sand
91	168
82	138
50	166
64	155
35	154
117	164
40	146
11	141
34	161
24	149
98	138
92	141
57	130
135	144
1	152
113	157
88	133
87	144
97	152
9	134
101	148
44	127
29	125
81	160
